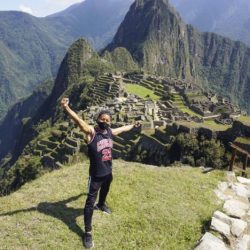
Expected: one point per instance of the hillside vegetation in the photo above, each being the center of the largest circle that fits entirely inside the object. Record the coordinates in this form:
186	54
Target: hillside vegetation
153	208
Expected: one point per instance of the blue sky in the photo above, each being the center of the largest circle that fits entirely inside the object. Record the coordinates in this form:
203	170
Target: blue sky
37	7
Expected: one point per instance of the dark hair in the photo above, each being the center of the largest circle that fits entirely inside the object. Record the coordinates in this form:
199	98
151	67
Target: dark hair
106	112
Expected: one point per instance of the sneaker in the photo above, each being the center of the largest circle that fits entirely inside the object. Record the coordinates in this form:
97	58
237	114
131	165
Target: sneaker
87	240
103	208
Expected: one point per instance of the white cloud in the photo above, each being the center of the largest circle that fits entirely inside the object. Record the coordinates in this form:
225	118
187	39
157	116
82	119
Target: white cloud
62	2
26	9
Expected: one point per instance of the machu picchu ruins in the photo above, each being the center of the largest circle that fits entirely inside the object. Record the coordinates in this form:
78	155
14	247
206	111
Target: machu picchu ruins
168	107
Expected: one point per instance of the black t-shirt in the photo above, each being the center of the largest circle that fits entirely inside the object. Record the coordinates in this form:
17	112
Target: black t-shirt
100	153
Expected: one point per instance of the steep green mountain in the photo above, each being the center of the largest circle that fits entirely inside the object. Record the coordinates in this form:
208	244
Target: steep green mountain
31	48
29	55
160	42
19	115
226	17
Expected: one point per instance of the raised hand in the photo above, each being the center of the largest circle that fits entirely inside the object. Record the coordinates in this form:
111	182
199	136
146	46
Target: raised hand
137	124
65	102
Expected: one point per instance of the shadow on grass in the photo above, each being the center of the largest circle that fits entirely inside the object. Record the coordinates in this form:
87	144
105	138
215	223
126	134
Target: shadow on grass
58	210
205	226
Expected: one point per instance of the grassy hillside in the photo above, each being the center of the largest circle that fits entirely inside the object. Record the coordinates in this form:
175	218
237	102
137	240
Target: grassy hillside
153	208
141	91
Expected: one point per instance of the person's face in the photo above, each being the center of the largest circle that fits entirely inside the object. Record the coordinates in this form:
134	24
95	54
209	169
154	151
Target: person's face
105	118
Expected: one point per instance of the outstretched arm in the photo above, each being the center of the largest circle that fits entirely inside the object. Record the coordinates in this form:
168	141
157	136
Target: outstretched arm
87	129
117	131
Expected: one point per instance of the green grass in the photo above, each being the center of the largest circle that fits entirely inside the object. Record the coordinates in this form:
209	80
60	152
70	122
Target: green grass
179	103
206	124
153	208
141	91
215	126
243	140
245	120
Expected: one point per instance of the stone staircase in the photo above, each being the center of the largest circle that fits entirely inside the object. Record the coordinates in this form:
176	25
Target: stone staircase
233	223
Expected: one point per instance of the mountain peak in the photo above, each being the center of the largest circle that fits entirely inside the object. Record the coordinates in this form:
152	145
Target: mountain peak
71	67
148	26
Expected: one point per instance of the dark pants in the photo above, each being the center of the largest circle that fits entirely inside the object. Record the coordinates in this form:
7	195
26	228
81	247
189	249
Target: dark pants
102	183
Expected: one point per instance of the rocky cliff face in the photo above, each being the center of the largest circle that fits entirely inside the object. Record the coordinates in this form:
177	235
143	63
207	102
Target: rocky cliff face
160	42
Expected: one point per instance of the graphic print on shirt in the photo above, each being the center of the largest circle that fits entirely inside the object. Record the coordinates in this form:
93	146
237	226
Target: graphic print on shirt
106	154
105	146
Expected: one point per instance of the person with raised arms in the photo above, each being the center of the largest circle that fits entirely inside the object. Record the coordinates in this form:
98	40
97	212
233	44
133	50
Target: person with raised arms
100	143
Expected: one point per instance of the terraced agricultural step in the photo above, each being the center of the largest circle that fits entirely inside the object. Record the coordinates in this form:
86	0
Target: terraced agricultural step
63	126
41	146
59	164
102	81
116	153
101	99
49	144
100	90
118	139
159	93
38	152
98	99
101	85
48	161
100	93
146	85
106	78
115	86
118	146
54	154
47	151
71	141
78	134
70	149
128	81
66	158
149	82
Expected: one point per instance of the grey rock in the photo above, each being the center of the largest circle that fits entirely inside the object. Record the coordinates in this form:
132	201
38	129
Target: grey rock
238	227
221	195
223	186
243	243
241	190
210	242
230	176
222	217
243	180
235	208
220	227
